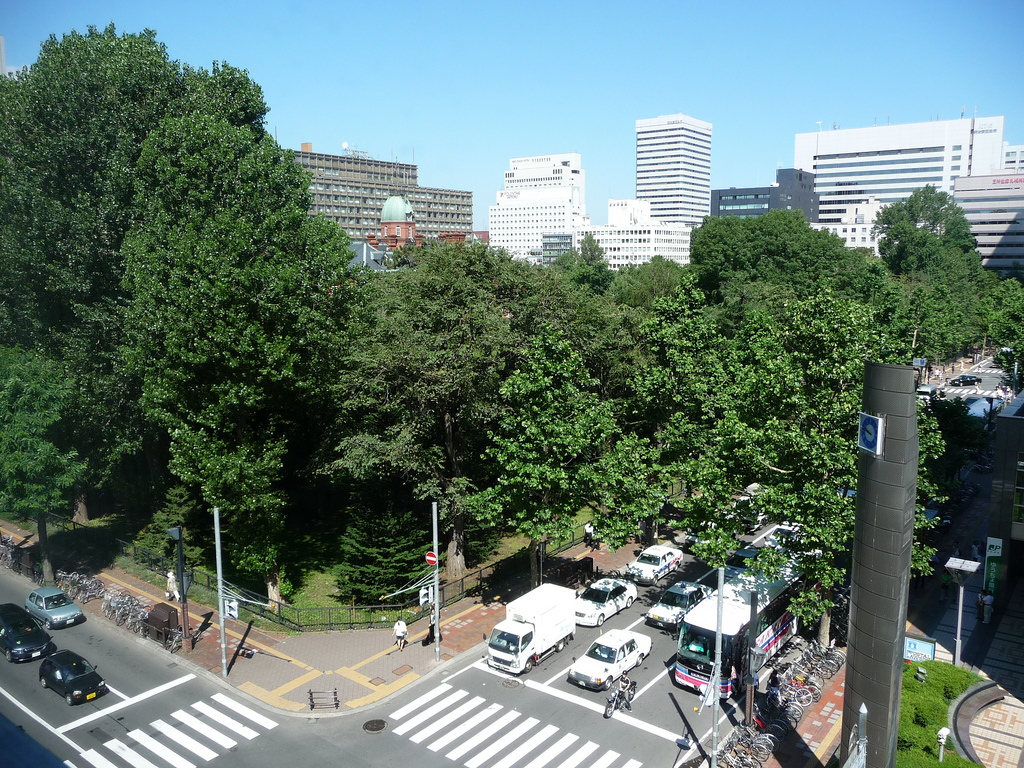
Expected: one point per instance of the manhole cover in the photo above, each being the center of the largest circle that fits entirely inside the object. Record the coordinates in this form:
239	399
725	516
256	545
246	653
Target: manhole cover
375	726
510	683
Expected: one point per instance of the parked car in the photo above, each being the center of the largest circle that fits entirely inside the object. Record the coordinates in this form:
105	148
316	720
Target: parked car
964	380
72	677
21	637
654	563
614	652
602	599
53	607
675	602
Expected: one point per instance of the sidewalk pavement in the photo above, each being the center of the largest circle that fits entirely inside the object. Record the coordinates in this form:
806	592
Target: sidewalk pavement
357	668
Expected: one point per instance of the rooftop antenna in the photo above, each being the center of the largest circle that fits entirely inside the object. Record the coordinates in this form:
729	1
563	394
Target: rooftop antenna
964	107
819	125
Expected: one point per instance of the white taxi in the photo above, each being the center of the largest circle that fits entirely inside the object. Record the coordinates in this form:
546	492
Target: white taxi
602	599
654	563
614	652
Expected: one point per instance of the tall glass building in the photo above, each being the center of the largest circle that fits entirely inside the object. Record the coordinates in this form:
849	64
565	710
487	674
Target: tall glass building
673	167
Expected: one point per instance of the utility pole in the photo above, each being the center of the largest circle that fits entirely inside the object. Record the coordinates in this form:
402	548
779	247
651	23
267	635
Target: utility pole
178	534
220	595
437	594
716	674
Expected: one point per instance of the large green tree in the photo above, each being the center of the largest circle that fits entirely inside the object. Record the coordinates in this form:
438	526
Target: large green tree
912	232
236	300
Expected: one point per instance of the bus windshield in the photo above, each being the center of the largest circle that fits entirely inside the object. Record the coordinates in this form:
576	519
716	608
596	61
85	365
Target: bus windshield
696	648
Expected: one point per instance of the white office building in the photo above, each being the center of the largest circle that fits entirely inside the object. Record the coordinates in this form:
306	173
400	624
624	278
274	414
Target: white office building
856	225
673	167
994	206
542	195
889	162
632	237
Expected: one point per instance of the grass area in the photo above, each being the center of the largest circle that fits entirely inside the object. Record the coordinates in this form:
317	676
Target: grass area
924	709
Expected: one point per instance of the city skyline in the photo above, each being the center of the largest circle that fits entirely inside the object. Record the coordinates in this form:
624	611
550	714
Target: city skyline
479	86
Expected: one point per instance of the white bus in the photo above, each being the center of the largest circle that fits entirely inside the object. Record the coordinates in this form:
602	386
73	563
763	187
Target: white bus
695	651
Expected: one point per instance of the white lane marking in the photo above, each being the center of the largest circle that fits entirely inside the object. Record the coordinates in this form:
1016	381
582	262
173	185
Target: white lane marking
116	692
227	722
429	712
244	711
482	736
96	759
414	705
444	722
159	749
526	747
579	755
554	751
651	684
560	676
483	666
726	713
38	719
595	707
200	727
126	703
492	749
606	759
122	750
633	764
199	750
641	620
469	725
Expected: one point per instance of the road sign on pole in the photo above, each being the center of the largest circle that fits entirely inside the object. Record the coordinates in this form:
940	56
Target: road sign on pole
431	558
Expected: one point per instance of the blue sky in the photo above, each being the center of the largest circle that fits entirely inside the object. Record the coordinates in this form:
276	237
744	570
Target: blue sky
461	87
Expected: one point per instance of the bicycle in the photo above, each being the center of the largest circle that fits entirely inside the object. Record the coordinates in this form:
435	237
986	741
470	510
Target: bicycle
37	574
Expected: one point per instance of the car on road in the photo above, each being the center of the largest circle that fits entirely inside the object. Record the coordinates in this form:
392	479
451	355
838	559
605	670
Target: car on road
53	607
668	612
603	599
654	563
72	677
964	380
614	652
21	637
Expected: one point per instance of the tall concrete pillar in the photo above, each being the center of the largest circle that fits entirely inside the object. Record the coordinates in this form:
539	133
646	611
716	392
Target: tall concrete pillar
882	542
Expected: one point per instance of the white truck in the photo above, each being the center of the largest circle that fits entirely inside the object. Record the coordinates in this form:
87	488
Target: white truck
536	625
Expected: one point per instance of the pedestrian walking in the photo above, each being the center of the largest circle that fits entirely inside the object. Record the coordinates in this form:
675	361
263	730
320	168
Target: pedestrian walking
976	551
172	587
400	631
989	601
429	639
588	534
945	579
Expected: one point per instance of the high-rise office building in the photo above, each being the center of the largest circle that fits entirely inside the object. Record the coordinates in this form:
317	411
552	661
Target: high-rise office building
543	195
994	207
632	237
673	167
350	189
889	162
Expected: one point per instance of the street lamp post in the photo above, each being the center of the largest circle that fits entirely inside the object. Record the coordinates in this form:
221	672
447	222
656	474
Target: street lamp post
178	534
960	571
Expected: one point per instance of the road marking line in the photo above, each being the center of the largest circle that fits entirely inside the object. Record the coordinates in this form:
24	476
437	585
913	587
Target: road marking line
417	703
122	750
34	716
494	748
94	757
656	679
606	759
444	722
228	722
633	764
126	703
199	726
563	673
245	711
159	749
116	692
429	712
579	755
469	725
481	736
184	740
554	751
526	747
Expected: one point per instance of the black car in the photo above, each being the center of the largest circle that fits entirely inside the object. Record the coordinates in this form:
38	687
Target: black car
72	676
21	637
964	380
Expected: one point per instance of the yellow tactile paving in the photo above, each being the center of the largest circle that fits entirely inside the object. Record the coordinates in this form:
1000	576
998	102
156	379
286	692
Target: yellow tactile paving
270	698
413	638
383	690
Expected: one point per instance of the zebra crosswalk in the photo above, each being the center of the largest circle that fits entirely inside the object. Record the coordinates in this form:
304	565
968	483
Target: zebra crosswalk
189	737
478	734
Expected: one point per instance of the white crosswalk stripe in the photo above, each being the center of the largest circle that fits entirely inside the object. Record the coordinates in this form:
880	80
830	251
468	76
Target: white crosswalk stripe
496	737
192	736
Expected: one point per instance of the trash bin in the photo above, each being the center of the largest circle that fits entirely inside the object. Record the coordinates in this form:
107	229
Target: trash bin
163	618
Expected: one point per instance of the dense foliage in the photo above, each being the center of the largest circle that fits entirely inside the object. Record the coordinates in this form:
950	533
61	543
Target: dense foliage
191	339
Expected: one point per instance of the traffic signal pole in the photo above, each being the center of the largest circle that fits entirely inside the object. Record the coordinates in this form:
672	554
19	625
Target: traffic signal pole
437	594
220	595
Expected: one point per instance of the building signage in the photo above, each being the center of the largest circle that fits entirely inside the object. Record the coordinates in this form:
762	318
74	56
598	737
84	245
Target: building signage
870	433
1015	180
916	648
993	559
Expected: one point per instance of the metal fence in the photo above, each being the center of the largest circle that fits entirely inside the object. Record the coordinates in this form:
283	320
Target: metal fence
338	616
